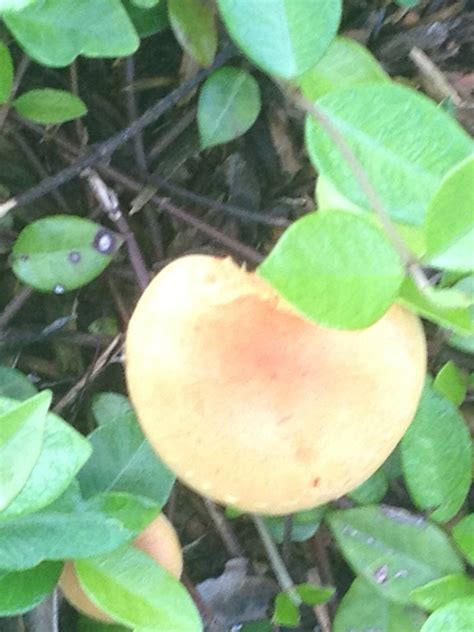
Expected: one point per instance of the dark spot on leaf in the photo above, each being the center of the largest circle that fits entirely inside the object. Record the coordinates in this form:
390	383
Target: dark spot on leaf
381	574
74	256
23	257
105	242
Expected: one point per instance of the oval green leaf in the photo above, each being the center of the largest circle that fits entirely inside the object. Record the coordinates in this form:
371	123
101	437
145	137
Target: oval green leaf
436	457
363	608
63	252
147	21
6	73
284	38
21	591
451	383
285	612
463	534
438	593
14	5
345	63
335	267
54	32
49	106
228	106
193	23
456	616
14	384
304	524
373	490
21	439
403	141
63	452
136	591
394	550
449	221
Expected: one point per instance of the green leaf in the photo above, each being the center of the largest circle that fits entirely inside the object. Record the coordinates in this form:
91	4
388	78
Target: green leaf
345	63
456	616
112	407
463	535
133	511
146	4
451	383
194	26
402	140
285	612
123	461
147	21
335	267
283	38
394	550
21	438
373	490
24	590
63	453
62	252
429	304
14	5
257	626
228	106
6	72
135	591
304	526
54	32
439	592
88	625
362	609
49	106
69	530
408	3
312	595
449	221
436	457
14	384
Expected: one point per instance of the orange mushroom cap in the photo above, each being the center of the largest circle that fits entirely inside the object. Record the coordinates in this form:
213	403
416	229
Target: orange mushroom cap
255	406
159	540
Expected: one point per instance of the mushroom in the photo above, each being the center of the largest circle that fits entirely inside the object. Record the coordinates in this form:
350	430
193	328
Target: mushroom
255	406
158	540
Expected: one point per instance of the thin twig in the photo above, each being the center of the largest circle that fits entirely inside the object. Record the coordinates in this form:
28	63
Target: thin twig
284	579
433	79
287	532
321	610
224	530
407	257
107	148
14	306
20	73
138	145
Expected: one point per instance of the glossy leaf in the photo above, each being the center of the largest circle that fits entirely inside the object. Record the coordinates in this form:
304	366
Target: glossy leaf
362	609
436	457
345	63
21	438
283	38
194	26
439	592
336	268
54	32
146	4
49	106
24	590
147	21
285	612
456	616
62	252
63	452
123	461
449	221
451	383
112	407
135	591
228	105
402	140
14	5
135	512
64	530
304	524
14	384
394	550
372	491
429	304
463	534
6	72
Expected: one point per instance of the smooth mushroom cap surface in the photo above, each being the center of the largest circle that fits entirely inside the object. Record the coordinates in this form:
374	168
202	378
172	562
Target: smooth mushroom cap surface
255	406
159	540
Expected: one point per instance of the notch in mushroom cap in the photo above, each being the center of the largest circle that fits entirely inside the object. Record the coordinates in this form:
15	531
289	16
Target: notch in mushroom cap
253	405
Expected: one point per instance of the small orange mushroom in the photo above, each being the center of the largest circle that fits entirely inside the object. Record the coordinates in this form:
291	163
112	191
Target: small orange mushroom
255	406
159	540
